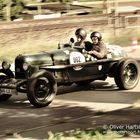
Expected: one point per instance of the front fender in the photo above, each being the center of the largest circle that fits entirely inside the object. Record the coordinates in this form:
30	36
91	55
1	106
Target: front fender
8	73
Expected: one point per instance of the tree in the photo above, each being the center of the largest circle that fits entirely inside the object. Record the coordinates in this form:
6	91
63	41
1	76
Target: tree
2	5
11	9
16	8
61	1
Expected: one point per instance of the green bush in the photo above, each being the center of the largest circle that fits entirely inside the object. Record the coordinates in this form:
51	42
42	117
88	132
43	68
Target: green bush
85	135
15	9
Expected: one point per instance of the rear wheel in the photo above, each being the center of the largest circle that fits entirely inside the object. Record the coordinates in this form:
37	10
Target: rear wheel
127	74
42	88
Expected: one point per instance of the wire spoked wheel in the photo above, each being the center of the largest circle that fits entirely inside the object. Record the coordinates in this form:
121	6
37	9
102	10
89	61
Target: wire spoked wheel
127	74
42	88
130	74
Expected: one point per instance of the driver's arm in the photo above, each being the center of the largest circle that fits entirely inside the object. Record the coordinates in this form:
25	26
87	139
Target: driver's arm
99	54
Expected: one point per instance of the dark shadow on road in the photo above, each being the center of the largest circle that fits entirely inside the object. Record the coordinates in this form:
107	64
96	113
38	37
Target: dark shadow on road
35	123
18	116
98	85
97	91
21	101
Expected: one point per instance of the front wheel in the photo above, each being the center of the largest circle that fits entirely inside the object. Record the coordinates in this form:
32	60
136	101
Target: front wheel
42	88
127	74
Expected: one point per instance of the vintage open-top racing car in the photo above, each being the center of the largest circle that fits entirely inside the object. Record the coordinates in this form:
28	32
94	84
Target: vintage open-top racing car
40	74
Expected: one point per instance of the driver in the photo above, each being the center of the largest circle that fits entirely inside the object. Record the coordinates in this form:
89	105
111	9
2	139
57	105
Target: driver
81	34
98	49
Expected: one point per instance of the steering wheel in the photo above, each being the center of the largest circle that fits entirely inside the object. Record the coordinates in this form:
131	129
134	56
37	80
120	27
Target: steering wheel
88	56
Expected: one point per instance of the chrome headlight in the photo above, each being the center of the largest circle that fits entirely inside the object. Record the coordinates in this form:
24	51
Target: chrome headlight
25	66
5	65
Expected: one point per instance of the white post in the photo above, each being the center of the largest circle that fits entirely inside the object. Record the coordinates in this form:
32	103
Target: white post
116	22
106	7
39	9
8	11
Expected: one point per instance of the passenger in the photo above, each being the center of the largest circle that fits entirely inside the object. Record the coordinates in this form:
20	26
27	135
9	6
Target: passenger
98	49
81	38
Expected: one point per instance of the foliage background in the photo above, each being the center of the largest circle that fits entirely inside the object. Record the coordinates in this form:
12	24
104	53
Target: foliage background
15	6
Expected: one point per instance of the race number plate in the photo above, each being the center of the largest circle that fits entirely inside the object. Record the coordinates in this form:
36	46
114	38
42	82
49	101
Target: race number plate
76	58
6	91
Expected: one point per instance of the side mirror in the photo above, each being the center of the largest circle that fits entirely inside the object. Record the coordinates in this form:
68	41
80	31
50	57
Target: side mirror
72	40
59	46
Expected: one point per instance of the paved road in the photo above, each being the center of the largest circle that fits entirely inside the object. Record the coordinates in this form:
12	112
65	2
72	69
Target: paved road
74	107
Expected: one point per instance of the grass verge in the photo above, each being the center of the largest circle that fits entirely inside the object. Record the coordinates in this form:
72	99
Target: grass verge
85	135
10	53
124	38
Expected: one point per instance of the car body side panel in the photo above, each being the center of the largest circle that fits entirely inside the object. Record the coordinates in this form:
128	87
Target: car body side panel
81	73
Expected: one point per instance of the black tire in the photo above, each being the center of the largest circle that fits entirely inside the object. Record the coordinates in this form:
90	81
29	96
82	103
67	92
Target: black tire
127	74
5	75
42	88
4	97
113	68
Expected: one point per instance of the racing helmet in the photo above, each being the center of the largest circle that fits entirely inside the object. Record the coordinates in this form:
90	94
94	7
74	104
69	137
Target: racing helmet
81	32
96	34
